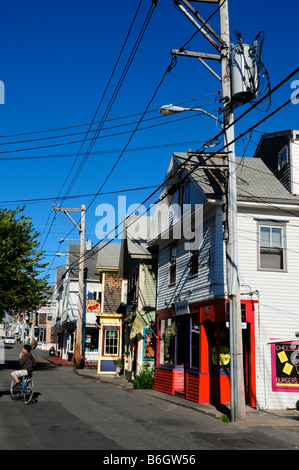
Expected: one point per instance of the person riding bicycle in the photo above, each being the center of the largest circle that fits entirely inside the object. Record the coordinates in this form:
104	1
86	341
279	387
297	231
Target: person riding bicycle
26	362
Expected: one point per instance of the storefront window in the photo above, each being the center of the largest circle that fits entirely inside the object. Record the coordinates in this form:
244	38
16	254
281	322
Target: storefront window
70	341
91	340
167	337
149	344
111	341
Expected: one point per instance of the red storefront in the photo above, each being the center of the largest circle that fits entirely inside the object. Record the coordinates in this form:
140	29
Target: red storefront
192	353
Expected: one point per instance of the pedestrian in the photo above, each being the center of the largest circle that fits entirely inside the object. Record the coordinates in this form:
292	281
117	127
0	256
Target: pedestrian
26	362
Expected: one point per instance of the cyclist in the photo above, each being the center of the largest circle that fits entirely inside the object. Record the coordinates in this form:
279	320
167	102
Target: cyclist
26	362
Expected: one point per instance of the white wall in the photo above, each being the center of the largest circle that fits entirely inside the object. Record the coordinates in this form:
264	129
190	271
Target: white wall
278	315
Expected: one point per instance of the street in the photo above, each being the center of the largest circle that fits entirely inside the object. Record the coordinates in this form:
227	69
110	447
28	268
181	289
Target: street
70	412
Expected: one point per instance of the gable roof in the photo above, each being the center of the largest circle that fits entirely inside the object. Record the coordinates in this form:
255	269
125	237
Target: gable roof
108	255
255	181
90	259
134	243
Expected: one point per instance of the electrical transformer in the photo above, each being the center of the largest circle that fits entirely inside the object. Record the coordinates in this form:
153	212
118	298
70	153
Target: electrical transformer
243	74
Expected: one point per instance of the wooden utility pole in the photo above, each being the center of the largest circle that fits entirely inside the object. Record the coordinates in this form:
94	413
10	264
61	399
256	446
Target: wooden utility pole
78	343
238	412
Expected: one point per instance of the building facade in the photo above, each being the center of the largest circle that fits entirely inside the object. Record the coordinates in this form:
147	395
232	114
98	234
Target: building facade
138	264
110	316
66	294
193	349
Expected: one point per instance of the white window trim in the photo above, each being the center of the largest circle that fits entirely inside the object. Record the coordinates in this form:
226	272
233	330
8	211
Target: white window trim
278	224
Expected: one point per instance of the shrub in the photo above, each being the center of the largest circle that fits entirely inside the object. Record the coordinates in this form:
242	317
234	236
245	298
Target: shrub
145	378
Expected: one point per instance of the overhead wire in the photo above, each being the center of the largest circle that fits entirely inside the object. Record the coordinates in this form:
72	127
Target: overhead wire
120	82
115	94
189	172
99	105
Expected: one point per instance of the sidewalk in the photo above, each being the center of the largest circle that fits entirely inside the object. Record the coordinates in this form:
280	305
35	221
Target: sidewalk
279	418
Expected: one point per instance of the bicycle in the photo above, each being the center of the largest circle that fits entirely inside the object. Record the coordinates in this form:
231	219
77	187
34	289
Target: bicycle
25	390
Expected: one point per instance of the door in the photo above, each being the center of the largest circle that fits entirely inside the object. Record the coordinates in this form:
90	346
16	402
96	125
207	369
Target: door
183	345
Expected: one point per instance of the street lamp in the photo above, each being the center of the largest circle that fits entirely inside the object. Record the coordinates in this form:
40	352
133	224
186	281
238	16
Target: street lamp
169	109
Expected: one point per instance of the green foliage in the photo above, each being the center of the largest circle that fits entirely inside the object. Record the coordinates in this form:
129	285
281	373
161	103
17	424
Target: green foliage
119	362
225	419
297	405
145	378
21	285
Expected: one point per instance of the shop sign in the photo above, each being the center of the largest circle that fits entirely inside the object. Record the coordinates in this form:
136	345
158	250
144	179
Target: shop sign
285	366
93	305
111	334
182	307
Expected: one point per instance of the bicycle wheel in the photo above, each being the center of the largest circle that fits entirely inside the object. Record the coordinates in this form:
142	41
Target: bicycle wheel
15	393
28	392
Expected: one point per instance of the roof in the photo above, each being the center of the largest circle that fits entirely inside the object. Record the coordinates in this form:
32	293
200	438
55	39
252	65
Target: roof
90	262
255	182
136	230
134	243
108	254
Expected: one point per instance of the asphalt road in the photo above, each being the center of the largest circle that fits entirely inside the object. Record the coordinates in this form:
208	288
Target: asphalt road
70	412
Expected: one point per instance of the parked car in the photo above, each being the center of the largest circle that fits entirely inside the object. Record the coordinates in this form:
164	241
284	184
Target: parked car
10	340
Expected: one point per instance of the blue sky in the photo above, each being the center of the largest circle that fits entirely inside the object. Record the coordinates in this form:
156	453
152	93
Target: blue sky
57	59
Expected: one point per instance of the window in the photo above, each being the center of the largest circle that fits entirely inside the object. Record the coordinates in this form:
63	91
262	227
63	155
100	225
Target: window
167	337
172	260
193	263
111	341
271	247
91	340
124	291
282	158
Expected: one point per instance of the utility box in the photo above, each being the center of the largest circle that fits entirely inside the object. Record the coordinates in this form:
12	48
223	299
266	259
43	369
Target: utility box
243	74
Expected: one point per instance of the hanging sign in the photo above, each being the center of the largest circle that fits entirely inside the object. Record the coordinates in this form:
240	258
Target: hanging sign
93	305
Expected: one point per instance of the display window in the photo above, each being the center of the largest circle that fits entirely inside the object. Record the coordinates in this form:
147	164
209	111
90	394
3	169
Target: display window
167	340
149	344
111	341
91	340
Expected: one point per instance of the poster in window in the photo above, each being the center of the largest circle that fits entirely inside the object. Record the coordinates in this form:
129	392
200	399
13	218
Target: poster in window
149	344
285	366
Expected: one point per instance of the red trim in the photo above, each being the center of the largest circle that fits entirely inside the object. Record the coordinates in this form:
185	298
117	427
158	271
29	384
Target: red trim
201	386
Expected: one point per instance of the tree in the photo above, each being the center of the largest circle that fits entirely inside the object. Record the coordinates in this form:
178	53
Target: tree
22	286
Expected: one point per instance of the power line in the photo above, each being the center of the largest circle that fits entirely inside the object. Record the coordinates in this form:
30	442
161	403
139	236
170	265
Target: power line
99	105
49	199
120	82
96	138
222	132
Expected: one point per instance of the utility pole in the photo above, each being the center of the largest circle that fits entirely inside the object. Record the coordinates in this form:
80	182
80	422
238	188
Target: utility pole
81	228
238	412
237	404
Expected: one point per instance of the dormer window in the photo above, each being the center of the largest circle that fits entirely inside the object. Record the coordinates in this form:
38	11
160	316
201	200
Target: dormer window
282	158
